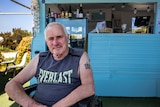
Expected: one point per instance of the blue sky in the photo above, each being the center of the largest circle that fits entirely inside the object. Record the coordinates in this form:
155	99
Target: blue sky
8	22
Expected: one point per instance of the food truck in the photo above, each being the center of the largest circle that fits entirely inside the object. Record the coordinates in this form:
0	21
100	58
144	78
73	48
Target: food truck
122	38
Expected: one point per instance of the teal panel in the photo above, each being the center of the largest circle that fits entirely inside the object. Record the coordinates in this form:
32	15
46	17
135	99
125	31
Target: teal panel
128	60
125	88
38	44
158	89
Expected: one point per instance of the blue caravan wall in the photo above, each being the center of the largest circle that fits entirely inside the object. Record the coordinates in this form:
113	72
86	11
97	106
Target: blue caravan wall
125	65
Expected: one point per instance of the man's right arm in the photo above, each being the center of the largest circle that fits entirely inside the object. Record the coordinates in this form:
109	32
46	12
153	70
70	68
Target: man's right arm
14	88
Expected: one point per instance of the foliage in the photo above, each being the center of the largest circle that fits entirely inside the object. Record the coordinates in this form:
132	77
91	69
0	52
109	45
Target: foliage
1	57
1	60
11	40
19	40
4	49
24	46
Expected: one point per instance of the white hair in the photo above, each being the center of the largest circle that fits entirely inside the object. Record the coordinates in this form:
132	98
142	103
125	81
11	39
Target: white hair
51	25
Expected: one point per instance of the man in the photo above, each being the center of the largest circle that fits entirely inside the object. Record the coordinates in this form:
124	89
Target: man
64	74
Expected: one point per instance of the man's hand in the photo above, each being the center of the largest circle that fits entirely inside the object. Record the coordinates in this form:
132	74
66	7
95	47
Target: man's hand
35	104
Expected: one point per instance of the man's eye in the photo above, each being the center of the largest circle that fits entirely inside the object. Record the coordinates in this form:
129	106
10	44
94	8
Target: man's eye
51	38
59	36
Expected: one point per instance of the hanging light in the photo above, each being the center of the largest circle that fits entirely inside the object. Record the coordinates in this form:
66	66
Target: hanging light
100	12
148	9
113	8
135	10
123	5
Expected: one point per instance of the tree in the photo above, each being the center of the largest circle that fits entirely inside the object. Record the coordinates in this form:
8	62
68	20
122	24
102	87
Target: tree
11	40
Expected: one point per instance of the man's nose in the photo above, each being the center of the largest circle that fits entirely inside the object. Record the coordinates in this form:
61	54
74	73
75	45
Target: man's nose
55	41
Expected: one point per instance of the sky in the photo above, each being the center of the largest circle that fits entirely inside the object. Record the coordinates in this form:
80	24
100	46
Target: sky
8	22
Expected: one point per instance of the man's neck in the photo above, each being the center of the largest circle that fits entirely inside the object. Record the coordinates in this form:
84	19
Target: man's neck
61	56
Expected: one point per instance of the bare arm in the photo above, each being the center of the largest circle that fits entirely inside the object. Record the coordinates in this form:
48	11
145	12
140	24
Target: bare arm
83	91
14	87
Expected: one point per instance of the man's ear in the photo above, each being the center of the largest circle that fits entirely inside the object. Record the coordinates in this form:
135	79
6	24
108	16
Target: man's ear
68	37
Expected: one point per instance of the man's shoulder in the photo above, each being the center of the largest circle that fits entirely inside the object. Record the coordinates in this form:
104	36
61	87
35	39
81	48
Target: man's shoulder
76	51
43	54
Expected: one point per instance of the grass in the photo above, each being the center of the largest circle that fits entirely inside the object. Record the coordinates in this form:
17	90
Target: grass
3	96
4	101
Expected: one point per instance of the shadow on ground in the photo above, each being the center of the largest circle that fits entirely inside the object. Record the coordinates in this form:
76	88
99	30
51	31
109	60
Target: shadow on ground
130	101
3	80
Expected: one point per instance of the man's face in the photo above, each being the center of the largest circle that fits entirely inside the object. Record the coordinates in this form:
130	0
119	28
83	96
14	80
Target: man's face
57	40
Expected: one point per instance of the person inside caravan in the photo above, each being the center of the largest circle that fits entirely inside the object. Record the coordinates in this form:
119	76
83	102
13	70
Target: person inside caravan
64	74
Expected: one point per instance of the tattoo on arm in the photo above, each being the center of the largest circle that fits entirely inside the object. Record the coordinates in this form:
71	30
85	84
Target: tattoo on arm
87	65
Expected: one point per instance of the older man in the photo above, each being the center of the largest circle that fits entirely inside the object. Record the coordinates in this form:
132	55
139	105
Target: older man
64	74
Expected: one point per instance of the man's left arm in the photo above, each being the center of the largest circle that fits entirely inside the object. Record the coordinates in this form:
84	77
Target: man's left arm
86	89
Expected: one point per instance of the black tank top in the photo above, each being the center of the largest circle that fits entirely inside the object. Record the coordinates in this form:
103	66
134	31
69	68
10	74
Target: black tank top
56	79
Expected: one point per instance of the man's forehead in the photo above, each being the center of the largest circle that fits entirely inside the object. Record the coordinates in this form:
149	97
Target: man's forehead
55	27
55	33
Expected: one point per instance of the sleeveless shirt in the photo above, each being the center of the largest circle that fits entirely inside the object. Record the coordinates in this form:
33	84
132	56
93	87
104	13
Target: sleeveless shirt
57	78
